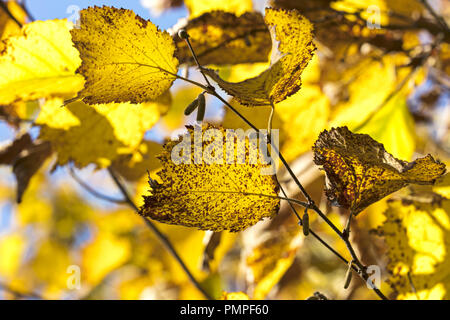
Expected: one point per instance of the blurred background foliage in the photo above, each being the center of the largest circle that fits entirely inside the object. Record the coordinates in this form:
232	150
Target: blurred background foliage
390	82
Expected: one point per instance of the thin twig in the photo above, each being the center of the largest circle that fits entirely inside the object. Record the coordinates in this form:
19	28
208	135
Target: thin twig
158	234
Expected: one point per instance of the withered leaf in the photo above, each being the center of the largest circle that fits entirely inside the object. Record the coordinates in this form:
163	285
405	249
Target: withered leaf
221	38
360	171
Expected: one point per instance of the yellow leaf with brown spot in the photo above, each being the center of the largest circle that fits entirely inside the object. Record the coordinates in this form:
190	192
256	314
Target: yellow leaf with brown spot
222	38
96	134
39	63
268	261
360	171
213	181
124	57
417	235
293	48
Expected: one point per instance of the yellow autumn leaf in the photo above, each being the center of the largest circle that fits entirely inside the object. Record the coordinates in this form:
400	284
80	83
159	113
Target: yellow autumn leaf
269	260
212	184
124	57
181	98
12	250
40	63
96	134
198	7
360	171
222	38
293	48
417	235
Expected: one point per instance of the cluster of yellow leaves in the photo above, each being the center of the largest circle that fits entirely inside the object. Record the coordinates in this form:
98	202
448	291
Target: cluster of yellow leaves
203	187
292	50
360	171
198	7
418	238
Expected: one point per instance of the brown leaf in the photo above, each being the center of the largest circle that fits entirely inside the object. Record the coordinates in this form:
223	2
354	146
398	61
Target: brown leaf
360	171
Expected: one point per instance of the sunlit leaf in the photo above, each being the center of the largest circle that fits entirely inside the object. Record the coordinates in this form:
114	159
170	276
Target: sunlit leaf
418	237
293	47
221	38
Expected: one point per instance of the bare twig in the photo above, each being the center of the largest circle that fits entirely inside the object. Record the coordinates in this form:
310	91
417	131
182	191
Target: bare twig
438	18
